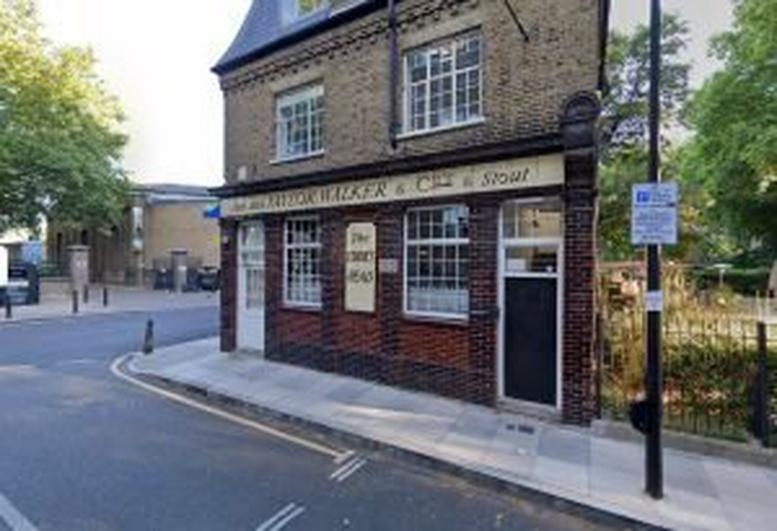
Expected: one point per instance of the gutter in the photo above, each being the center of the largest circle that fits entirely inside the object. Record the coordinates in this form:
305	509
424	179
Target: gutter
393	74
604	37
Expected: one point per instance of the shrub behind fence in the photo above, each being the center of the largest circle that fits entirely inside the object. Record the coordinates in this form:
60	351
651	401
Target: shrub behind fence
710	356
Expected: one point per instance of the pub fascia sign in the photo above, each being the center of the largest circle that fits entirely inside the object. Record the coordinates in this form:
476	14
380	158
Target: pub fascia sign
479	178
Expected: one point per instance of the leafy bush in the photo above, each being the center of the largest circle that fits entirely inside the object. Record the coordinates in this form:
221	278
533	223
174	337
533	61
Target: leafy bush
709	354
742	281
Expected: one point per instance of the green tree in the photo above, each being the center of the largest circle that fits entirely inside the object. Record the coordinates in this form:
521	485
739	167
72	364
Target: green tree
625	113
60	139
734	151
624	130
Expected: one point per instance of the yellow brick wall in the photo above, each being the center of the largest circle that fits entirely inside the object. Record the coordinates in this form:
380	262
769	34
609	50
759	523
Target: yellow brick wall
525	83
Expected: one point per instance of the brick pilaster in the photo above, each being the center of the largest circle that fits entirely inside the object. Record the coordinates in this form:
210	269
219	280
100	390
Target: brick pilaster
229	272
580	212
333	249
390	290
273	292
484	308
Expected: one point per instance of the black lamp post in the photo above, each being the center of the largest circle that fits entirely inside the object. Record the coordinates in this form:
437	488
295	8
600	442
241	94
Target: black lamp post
654	474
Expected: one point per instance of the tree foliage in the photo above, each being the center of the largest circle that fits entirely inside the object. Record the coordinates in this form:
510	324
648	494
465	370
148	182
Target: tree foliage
624	132
625	116
60	139
734	151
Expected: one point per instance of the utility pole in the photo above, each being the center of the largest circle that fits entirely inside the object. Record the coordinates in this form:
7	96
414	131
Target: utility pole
654	474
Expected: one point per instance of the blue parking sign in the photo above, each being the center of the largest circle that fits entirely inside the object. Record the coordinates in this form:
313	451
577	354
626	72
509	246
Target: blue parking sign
654	214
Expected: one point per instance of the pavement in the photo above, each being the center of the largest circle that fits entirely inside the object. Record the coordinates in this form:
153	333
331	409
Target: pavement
56	302
568	463
81	449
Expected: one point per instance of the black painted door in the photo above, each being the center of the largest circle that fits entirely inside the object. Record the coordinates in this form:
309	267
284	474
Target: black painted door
531	339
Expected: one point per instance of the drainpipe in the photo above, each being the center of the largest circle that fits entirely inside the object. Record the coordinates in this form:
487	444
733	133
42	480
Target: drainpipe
393	73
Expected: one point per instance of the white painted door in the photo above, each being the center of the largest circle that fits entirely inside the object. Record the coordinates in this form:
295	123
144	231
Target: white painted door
250	314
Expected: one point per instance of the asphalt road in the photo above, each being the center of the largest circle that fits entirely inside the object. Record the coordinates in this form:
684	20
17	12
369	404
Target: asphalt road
83	450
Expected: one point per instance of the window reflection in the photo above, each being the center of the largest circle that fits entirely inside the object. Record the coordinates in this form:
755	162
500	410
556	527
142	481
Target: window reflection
533	220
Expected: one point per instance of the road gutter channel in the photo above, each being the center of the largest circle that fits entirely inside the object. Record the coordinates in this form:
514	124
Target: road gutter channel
116	369
558	499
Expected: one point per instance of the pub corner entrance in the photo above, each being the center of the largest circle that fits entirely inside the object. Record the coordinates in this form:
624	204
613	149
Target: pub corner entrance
530	293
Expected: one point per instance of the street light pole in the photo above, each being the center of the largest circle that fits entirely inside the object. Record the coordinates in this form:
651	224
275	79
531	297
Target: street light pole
654	475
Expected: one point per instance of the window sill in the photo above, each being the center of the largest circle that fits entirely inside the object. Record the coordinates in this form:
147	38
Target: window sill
300	307
463	125
298	158
436	319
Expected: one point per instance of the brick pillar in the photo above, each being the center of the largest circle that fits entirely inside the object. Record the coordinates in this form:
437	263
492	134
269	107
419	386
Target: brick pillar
484	306
229	243
273	291
333	249
578	125
390	287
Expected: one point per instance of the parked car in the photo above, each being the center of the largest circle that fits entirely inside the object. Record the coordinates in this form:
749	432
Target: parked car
209	278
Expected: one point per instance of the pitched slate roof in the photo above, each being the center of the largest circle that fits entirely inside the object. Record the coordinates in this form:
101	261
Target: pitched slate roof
263	30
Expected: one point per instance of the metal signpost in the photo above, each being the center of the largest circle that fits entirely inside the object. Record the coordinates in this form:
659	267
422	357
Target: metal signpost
654	223
4	292
3	267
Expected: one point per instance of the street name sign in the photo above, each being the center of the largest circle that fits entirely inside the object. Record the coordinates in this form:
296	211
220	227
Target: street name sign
654	214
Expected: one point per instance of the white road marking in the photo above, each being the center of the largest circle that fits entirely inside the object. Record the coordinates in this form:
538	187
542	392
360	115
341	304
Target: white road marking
282	518
348	469
13	518
310	445
352	471
344	457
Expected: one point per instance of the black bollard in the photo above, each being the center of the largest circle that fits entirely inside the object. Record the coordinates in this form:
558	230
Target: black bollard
75	301
86	294
8	307
105	296
148	340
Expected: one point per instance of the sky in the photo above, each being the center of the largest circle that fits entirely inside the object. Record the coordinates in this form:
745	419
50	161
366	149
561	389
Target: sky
156	56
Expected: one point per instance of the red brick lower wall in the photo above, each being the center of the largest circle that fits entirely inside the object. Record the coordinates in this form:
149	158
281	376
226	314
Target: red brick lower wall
435	344
453	359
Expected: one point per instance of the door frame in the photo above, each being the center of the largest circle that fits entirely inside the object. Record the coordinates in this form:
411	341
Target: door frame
242	285
502	276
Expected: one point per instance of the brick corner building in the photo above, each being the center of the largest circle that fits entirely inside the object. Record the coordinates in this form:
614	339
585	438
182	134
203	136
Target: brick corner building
411	194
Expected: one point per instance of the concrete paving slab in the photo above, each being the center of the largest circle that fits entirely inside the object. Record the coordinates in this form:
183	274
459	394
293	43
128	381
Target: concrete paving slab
562	473
693	512
625	457
565	445
687	473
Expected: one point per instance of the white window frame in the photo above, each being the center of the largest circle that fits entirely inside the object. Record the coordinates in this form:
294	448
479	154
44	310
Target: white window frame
290	99
287	302
290	11
408	129
456	316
